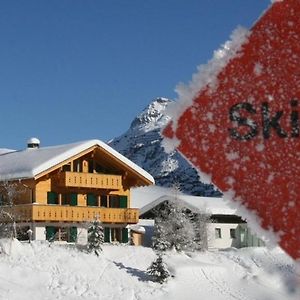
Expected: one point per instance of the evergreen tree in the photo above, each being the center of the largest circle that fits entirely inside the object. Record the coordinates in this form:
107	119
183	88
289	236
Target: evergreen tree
158	270
95	237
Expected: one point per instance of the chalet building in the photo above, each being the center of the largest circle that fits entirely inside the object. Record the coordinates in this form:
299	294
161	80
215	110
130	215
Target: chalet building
225	228
55	191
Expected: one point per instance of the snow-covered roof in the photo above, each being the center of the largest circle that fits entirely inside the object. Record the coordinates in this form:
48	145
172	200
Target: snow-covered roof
28	163
5	150
146	198
137	228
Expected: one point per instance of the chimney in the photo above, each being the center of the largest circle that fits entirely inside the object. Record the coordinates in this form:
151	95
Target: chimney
33	143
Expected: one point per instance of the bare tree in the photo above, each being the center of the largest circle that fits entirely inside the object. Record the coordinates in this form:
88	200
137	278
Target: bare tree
200	222
8	215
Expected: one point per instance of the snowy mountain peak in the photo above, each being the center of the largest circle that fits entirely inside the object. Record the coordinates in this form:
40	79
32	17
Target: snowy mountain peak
142	143
153	116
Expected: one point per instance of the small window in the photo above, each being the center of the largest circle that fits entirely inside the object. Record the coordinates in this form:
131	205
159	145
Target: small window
218	233
232	233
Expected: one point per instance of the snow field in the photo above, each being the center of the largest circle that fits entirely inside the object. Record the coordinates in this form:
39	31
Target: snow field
43	271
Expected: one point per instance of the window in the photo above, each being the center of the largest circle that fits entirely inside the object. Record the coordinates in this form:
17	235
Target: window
77	166
115	234
91	166
66	234
232	233
218	233
64	199
103	200
114	201
69	199
243	235
63	234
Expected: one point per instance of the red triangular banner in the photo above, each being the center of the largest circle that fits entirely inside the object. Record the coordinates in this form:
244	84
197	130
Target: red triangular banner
245	132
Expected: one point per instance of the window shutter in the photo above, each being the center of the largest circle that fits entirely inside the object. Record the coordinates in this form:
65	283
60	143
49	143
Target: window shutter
73	235
52	198
123	201
106	234
50	233
91	200
73	199
124	235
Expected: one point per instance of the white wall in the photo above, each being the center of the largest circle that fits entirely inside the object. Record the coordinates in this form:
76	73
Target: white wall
82	235
39	233
244	236
225	241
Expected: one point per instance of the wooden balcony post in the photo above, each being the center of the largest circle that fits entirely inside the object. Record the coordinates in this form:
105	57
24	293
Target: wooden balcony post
59	198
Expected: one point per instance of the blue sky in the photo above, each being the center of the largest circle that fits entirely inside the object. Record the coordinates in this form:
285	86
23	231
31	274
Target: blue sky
74	70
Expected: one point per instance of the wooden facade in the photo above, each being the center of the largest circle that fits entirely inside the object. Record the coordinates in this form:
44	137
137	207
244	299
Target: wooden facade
92	184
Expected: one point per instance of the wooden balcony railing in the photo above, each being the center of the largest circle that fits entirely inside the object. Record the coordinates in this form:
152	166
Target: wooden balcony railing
61	213
89	180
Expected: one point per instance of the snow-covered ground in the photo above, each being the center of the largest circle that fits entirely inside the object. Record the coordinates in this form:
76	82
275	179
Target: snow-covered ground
39	271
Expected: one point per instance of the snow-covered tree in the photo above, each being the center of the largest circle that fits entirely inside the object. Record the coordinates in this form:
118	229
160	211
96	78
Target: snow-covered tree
173	228
95	237
176	227
158	270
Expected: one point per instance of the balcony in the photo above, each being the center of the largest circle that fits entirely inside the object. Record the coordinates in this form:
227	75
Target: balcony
60	213
89	180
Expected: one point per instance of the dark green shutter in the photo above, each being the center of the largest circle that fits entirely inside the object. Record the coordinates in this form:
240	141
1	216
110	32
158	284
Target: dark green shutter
123	201
106	234
52	198
124	235
73	199
50	232
73	235
91	200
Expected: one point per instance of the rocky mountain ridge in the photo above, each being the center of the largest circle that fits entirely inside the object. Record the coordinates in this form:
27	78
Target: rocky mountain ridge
142	143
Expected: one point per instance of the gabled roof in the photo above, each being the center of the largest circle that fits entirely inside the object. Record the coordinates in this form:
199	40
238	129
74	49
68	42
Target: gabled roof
146	198
29	163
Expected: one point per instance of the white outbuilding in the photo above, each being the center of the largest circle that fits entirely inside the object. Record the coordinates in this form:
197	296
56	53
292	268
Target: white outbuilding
225	229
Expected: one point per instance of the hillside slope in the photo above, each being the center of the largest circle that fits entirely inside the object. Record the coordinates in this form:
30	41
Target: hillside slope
41	271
